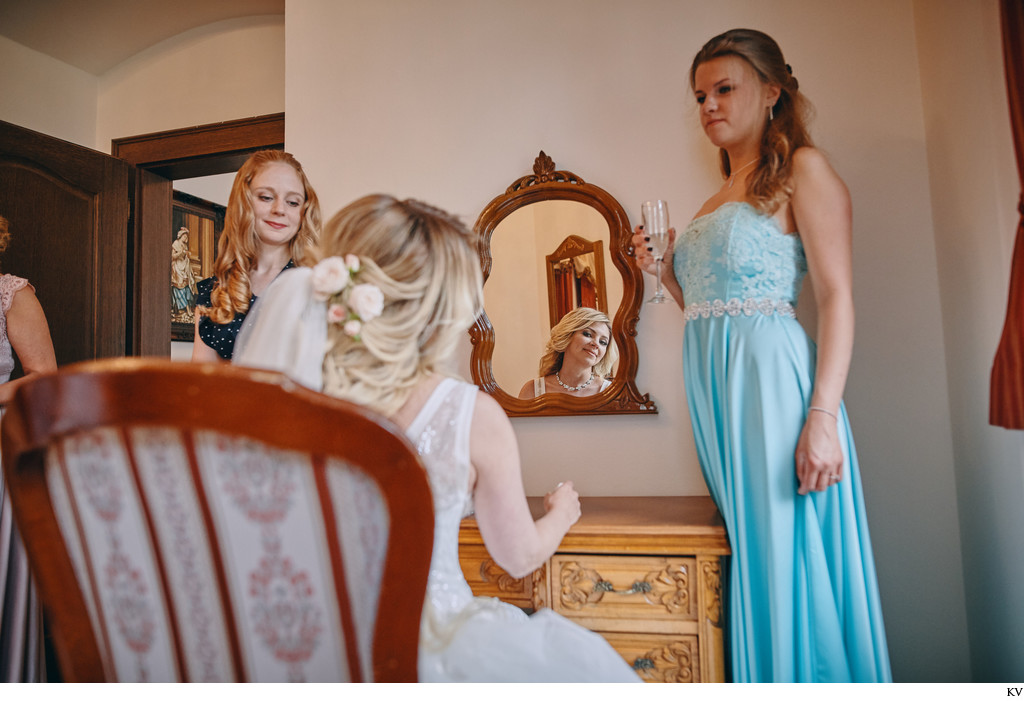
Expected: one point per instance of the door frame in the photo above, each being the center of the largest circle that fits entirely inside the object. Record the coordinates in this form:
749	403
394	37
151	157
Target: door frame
162	157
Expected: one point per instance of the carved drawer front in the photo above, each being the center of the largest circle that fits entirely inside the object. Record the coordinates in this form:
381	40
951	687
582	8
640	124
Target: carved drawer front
625	587
487	579
659	658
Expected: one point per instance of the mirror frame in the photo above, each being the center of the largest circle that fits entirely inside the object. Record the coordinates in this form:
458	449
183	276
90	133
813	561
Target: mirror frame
622	397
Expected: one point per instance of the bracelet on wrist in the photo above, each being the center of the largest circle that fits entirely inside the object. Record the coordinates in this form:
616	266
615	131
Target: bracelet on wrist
824	411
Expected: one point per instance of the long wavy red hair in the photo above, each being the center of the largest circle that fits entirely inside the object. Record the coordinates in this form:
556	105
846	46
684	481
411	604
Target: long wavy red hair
239	245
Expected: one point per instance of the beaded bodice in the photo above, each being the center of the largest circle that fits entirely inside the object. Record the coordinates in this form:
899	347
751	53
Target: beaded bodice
738	253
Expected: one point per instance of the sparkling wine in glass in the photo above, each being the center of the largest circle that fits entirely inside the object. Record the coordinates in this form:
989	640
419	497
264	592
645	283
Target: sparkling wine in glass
655	213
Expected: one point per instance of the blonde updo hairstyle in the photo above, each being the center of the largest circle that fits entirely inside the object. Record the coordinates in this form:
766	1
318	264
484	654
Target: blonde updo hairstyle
562	333
239	245
769	185
426	264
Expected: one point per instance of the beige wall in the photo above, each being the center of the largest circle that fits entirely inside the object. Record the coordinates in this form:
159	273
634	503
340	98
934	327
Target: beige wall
46	95
226	70
974	188
450	101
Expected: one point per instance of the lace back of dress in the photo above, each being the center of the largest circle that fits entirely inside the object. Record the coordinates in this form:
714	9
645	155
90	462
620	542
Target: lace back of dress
441	436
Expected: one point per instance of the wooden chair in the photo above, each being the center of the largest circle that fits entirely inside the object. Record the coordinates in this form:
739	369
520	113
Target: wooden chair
213	523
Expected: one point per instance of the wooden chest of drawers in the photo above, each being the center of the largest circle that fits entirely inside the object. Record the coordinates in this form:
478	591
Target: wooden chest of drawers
644	572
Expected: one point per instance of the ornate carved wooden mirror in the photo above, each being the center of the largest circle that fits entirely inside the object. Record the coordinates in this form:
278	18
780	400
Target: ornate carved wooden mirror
549	243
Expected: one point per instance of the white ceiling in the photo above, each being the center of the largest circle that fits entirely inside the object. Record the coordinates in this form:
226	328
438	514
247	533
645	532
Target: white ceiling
96	35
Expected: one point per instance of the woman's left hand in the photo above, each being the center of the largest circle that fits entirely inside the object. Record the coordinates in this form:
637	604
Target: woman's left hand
819	459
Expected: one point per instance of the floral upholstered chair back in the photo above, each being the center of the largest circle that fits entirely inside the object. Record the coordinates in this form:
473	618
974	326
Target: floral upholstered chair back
198	524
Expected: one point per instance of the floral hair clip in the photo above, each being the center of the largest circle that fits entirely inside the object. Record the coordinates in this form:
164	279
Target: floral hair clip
349	304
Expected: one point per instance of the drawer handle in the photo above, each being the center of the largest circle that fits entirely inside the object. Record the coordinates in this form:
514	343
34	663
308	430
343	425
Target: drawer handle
641	664
637	588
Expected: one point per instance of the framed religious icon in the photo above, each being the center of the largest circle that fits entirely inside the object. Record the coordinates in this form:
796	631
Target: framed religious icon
195	227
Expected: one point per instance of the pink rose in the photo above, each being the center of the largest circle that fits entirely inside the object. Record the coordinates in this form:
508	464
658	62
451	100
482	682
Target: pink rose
336	313
330	276
352	261
367	301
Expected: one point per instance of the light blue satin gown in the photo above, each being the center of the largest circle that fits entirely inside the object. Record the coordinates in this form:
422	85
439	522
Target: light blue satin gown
803	602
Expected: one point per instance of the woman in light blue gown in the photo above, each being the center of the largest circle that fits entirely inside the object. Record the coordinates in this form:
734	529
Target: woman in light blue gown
765	400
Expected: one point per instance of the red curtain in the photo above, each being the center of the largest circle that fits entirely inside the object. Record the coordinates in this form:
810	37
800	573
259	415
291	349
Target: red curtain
564	302
1006	403
588	293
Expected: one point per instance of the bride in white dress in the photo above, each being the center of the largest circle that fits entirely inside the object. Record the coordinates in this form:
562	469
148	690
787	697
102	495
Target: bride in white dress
399	287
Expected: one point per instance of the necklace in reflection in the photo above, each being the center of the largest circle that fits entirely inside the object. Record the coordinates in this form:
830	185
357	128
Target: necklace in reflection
577	387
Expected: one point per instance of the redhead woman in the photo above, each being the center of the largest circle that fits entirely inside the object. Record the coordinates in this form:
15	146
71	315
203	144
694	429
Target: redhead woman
272	223
579	356
765	400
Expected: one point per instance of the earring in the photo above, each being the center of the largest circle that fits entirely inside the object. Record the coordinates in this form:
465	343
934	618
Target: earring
770	115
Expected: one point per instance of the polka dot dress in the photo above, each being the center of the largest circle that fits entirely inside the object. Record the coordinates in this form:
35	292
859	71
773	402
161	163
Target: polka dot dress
221	337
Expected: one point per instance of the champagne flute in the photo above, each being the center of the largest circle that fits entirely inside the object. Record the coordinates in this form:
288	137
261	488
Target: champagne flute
655	214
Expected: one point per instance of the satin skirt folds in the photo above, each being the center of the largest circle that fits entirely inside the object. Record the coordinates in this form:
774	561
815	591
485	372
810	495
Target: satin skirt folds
496	642
803	603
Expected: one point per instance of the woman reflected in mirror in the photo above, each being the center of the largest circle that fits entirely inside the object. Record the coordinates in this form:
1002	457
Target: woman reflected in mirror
579	357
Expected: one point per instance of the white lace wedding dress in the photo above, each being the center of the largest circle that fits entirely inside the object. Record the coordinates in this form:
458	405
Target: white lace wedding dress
463	638
477	639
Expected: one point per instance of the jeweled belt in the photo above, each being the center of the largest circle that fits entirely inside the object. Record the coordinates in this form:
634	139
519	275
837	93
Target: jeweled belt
736	306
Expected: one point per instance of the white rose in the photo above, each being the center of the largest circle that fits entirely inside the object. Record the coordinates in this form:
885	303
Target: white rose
352	261
352	328
367	301
330	276
336	313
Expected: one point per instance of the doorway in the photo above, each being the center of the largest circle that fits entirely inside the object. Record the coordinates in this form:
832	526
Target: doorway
161	158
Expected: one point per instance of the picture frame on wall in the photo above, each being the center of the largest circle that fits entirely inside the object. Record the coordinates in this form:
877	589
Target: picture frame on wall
196	225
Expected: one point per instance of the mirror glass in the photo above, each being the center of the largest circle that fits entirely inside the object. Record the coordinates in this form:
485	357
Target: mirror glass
549	244
538	251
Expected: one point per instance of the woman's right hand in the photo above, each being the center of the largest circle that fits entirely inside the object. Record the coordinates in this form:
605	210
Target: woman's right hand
564	499
645	258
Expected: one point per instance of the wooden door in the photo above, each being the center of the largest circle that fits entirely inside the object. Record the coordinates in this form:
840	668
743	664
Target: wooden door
68	208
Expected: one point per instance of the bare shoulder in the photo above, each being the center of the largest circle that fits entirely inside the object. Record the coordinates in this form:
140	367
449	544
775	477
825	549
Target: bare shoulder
815	180
810	161
493	450
487	413
25	300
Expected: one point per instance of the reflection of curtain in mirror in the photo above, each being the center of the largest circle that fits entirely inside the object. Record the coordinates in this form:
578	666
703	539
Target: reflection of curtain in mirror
1006	404
586	285
575	272
564	288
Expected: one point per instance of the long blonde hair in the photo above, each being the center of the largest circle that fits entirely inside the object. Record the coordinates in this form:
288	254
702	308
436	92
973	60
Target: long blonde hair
426	264
769	185
561	334
239	244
